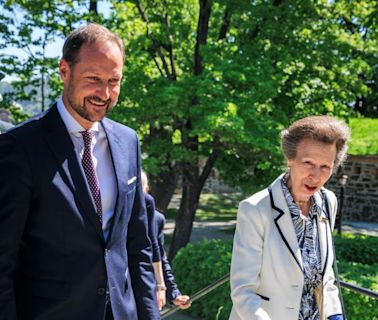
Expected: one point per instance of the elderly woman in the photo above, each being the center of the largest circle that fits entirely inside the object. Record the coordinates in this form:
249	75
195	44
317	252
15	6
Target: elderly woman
282	255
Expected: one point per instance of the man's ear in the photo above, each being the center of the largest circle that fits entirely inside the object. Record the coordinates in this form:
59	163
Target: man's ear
64	69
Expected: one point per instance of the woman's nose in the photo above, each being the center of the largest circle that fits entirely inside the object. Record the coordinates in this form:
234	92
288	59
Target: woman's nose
315	174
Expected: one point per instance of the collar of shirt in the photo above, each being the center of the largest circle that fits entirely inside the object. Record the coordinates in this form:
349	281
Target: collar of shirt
316	202
73	127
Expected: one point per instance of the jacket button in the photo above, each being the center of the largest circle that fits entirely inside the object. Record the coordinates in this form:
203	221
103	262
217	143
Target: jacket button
106	252
101	291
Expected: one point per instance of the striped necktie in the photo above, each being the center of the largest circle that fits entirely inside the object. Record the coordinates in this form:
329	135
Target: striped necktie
90	172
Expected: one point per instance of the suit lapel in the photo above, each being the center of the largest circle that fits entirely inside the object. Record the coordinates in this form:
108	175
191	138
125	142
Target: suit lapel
118	153
63	149
284	221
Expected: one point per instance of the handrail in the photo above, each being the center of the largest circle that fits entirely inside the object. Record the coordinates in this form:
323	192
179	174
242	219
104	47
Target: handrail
360	290
198	295
224	279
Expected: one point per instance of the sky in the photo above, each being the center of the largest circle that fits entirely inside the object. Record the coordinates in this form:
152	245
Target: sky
53	49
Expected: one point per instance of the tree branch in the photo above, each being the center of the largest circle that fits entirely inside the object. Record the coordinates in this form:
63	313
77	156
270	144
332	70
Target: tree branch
225	24
141	12
208	167
156	46
157	64
170	47
164	62
202	32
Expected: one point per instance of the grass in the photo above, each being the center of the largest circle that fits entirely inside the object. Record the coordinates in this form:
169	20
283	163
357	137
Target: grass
364	136
213	207
218	207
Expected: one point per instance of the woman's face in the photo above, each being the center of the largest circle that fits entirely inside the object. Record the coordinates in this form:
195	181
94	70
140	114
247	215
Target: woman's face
311	168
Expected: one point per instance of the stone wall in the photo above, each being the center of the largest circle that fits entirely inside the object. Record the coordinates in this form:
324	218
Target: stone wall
361	191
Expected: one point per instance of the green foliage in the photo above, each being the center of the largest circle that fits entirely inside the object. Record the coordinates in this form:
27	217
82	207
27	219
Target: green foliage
29	27
358	264
194	88
356	305
364	275
357	248
196	267
364	136
16	112
256	78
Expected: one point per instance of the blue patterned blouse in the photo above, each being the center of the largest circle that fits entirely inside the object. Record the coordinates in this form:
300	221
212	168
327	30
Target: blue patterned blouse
308	239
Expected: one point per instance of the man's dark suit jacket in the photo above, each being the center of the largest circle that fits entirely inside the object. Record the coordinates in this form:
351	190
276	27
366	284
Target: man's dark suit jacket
172	290
54	261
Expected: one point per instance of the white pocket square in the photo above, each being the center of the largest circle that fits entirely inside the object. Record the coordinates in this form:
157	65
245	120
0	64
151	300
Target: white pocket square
130	181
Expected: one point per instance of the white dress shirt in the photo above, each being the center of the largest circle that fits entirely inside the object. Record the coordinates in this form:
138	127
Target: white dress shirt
102	161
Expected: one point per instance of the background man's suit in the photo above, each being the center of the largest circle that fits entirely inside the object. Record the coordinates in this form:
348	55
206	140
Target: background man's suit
54	260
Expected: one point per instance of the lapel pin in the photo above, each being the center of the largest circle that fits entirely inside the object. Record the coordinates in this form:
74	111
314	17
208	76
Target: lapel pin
323	219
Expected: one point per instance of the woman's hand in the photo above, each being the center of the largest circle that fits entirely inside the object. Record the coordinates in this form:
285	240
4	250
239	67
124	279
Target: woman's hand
183	302
160	294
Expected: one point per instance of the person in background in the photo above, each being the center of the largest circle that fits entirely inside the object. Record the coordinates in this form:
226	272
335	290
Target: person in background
73	224
4	126
282	255
152	233
169	287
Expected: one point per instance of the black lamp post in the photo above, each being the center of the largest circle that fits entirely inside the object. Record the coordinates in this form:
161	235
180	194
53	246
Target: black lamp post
342	181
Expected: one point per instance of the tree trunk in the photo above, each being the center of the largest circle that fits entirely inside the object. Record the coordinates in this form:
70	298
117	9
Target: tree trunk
163	187
192	181
192	187
93	7
191	191
360	106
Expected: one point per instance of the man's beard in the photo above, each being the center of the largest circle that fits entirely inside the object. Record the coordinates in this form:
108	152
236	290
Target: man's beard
82	110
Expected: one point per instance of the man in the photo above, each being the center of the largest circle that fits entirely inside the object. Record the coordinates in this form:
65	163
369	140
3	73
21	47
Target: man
73	224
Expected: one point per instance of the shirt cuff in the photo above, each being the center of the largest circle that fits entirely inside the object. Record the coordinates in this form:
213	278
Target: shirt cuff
336	317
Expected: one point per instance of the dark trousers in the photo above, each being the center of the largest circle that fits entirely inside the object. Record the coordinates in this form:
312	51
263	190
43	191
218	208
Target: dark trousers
109	313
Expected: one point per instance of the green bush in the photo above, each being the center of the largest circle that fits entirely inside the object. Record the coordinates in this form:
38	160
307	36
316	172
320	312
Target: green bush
356	305
357	248
196	267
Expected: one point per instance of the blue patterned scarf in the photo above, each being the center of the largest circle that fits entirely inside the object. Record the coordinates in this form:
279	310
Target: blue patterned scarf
308	240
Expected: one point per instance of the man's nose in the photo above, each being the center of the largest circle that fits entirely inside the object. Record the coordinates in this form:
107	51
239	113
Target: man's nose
103	91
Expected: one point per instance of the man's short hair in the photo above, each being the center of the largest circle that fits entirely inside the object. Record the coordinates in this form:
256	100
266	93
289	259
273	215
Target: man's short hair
89	34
